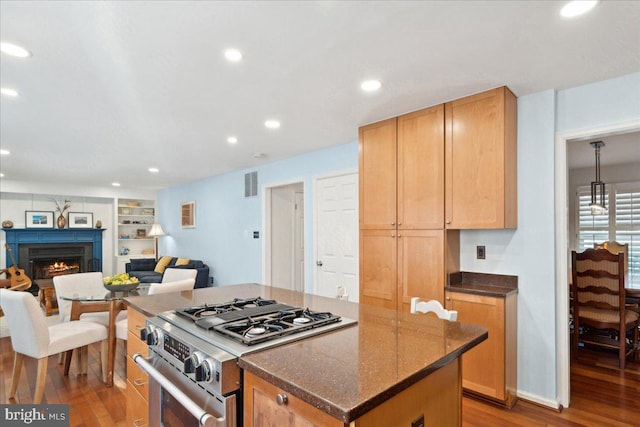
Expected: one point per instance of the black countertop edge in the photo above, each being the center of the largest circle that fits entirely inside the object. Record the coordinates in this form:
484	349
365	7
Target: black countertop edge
489	291
498	285
347	415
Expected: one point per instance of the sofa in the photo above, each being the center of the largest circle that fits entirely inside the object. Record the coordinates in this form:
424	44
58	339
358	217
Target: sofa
148	270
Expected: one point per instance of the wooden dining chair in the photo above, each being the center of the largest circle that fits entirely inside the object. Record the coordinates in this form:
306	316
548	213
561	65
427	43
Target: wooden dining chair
31	336
599	303
432	306
615	247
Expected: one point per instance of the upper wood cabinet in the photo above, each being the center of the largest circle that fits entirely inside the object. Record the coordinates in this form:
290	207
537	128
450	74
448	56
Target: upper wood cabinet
481	163
402	172
377	168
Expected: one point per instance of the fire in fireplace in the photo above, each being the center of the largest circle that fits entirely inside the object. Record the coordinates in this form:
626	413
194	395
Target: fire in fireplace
47	260
49	269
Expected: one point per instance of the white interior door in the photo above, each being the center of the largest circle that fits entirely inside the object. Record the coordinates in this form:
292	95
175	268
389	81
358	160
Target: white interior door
286	242
336	213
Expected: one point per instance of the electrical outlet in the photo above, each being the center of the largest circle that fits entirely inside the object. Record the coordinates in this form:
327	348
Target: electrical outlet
418	422
256	234
480	252
211	280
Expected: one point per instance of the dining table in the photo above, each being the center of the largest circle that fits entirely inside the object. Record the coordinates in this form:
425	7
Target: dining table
106	301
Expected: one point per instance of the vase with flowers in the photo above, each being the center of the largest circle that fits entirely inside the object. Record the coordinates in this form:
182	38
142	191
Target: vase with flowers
61	208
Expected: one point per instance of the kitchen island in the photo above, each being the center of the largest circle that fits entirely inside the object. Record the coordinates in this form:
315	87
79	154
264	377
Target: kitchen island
390	368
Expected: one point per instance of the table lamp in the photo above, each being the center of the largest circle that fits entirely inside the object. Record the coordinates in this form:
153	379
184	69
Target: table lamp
156	230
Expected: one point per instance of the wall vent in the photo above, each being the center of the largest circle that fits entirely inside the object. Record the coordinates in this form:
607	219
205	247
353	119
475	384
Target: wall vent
251	184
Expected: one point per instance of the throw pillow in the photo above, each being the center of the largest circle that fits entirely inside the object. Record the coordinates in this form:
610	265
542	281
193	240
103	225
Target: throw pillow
182	261
162	264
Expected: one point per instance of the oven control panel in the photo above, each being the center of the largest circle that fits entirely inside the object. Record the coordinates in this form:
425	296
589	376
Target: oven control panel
175	347
201	361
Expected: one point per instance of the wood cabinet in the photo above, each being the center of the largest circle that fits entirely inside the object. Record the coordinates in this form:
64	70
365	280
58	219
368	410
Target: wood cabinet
401	165
436	397
481	162
403	246
137	379
267	405
489	369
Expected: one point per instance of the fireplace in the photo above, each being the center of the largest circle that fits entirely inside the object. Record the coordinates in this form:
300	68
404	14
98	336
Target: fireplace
47	260
38	250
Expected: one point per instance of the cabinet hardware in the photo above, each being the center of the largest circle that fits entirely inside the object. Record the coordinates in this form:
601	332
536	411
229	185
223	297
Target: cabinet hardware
282	399
448	298
393	235
393	223
139	382
447	222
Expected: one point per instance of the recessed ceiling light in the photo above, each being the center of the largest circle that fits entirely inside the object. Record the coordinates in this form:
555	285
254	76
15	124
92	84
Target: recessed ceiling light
272	124
115	184
9	92
4	152
14	50
259	155
577	8
1	175
154	170
232	140
370	85
233	55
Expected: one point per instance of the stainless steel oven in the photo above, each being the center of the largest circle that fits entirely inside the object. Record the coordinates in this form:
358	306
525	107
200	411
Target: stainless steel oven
191	383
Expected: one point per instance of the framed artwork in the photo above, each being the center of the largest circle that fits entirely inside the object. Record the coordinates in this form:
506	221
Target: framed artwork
141	233
38	219
188	215
80	220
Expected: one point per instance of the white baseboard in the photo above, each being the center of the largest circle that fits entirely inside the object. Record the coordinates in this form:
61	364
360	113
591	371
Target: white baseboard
551	404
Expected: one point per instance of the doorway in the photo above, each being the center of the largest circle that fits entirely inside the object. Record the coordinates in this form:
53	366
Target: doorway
336	236
563	248
283	250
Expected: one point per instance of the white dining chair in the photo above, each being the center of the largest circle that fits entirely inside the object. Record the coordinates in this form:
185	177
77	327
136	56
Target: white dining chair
174	274
432	306
82	284
31	336
154	289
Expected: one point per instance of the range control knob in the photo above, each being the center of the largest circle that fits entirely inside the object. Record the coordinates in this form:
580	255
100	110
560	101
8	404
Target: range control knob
191	362
205	370
152	337
144	332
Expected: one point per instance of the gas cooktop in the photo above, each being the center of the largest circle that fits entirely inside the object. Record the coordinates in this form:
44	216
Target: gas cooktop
244	325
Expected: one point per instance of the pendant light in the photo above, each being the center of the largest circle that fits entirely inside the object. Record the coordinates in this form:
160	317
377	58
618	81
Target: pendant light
598	206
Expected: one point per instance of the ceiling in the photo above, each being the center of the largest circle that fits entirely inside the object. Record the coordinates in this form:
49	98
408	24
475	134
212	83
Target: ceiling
115	87
618	149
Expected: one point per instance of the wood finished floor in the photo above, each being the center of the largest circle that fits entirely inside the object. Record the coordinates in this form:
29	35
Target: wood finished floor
601	394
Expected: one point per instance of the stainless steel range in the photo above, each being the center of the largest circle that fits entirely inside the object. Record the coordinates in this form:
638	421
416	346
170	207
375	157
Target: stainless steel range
193	353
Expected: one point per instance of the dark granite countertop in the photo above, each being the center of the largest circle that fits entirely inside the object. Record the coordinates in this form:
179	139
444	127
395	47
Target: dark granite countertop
493	285
350	371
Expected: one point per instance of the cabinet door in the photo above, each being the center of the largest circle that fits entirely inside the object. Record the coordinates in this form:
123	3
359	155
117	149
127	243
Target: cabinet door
481	161
420	266
483	367
262	408
421	169
377	168
378	275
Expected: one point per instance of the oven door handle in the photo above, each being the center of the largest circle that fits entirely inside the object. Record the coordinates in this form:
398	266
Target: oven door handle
205	418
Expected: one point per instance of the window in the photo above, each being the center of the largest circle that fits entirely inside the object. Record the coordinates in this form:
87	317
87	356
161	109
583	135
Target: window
621	222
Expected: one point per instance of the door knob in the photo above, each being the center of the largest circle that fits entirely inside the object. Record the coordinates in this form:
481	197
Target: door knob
319	263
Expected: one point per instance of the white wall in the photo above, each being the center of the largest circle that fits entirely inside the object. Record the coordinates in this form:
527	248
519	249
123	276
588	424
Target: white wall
528	252
225	220
18	197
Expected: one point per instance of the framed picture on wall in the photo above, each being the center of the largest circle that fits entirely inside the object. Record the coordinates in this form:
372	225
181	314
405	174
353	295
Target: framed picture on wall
188	215
38	219
80	220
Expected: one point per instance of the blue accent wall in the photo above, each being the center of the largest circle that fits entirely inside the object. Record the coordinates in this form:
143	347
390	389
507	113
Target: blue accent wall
226	220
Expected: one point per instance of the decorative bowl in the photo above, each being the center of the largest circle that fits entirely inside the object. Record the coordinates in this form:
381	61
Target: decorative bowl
123	287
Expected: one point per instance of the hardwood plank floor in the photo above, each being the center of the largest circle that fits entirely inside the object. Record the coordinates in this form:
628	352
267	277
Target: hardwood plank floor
601	394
